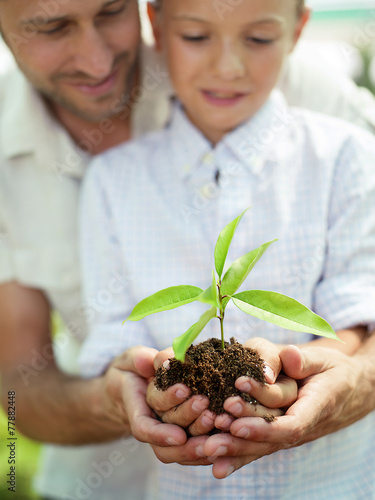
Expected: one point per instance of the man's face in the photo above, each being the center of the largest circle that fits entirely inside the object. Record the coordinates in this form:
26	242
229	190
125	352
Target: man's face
224	62
80	54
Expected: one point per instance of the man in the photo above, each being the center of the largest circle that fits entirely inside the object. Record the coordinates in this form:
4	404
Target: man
83	86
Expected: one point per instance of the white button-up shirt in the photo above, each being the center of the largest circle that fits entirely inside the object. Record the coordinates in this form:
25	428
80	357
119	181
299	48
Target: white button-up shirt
152	210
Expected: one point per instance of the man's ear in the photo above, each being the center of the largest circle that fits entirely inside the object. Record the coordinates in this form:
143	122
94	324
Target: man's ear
153	15
304	17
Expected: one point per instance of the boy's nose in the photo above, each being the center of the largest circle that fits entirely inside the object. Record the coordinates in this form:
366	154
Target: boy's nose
92	54
229	63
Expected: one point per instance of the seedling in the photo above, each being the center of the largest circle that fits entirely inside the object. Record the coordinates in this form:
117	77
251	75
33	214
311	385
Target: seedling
273	307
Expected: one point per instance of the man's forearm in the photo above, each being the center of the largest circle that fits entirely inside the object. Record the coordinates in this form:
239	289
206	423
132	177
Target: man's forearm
57	408
366	358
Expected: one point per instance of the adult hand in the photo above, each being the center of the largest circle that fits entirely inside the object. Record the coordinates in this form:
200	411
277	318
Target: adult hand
126	382
335	391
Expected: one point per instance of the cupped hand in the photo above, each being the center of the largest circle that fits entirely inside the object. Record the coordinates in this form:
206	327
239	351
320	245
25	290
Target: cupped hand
175	406
127	380
331	396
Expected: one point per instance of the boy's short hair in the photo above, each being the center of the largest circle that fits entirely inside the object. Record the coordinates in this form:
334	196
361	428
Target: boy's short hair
300	5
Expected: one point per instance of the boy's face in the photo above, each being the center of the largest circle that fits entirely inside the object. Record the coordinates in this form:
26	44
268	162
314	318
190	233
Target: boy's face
80	54
224	60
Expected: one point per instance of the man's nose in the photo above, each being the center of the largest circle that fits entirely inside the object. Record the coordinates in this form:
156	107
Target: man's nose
229	63
93	56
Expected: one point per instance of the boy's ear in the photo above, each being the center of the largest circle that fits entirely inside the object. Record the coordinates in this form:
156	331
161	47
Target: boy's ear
153	15
301	23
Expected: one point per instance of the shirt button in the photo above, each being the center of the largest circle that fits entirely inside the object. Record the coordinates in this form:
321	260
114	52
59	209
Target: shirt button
208	159
210	190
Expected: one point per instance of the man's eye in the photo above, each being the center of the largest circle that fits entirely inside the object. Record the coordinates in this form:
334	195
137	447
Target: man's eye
53	31
115	12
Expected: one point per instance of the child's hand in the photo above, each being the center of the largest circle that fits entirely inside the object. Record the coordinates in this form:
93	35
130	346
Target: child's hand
175	406
279	392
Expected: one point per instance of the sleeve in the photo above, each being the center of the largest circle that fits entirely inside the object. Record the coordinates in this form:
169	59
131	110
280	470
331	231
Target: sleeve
107	298
6	253
345	296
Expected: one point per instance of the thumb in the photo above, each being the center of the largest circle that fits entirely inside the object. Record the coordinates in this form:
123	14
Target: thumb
163	356
269	352
137	359
299	364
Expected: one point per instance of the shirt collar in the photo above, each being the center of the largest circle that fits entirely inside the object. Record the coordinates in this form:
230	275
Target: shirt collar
186	142
249	143
252	141
26	121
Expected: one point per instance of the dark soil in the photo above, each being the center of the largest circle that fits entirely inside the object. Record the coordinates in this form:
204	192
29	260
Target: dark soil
208	370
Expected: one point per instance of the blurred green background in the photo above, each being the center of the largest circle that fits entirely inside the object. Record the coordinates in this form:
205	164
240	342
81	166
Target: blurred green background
27	453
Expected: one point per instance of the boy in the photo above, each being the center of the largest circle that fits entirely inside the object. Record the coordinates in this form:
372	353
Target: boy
156	206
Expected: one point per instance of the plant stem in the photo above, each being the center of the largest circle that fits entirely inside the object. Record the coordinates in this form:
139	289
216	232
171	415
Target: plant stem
221	316
222	329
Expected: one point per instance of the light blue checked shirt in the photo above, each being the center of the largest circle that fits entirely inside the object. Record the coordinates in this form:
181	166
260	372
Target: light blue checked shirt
152	211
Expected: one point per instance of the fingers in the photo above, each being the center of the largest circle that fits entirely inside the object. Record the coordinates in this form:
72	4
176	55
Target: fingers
224	467
237	407
284	432
269	352
299	364
187	412
191	453
143	424
279	395
163	356
228	446
163	401
173	407
223	422
137	359
204	424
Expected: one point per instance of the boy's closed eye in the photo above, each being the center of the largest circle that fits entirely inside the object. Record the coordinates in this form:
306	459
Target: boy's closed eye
195	38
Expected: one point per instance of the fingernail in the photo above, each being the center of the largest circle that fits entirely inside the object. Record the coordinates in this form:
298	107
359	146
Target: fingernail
230	471
243	433
199	451
226	422
166	364
207	421
222	450
269	374
199	405
172	442
244	387
235	408
182	393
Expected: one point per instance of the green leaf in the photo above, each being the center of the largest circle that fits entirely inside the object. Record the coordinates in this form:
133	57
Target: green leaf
239	270
210	296
223	243
182	343
164	300
283	311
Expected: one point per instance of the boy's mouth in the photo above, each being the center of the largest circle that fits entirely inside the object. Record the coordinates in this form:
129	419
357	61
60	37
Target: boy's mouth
223	97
